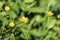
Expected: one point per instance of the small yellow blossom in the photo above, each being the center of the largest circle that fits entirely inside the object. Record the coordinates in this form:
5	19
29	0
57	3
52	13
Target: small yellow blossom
24	19
49	13
7	8
11	24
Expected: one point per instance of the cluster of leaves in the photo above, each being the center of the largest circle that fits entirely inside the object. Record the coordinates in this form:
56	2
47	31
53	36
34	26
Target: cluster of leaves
39	26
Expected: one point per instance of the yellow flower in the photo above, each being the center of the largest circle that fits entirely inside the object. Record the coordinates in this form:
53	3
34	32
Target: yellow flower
49	13
24	19
7	8
11	24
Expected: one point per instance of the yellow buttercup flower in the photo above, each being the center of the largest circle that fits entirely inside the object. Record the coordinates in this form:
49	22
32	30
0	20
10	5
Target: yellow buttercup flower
11	24
24	19
7	8
49	13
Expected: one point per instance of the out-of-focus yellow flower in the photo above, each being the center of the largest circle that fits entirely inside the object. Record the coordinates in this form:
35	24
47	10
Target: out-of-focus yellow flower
24	19
7	8
49	13
11	24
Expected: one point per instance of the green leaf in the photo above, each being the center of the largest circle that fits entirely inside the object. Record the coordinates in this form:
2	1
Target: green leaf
12	14
56	5
3	13
42	8
6	36
6	39
25	34
54	2
50	35
9	3
38	18
27	7
35	33
56	28
5	21
58	22
15	7
12	37
51	24
1	4
28	1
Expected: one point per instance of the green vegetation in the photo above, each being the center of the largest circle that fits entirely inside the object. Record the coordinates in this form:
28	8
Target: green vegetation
29	19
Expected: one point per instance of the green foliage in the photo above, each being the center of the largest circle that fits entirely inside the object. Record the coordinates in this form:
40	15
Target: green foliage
40	26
